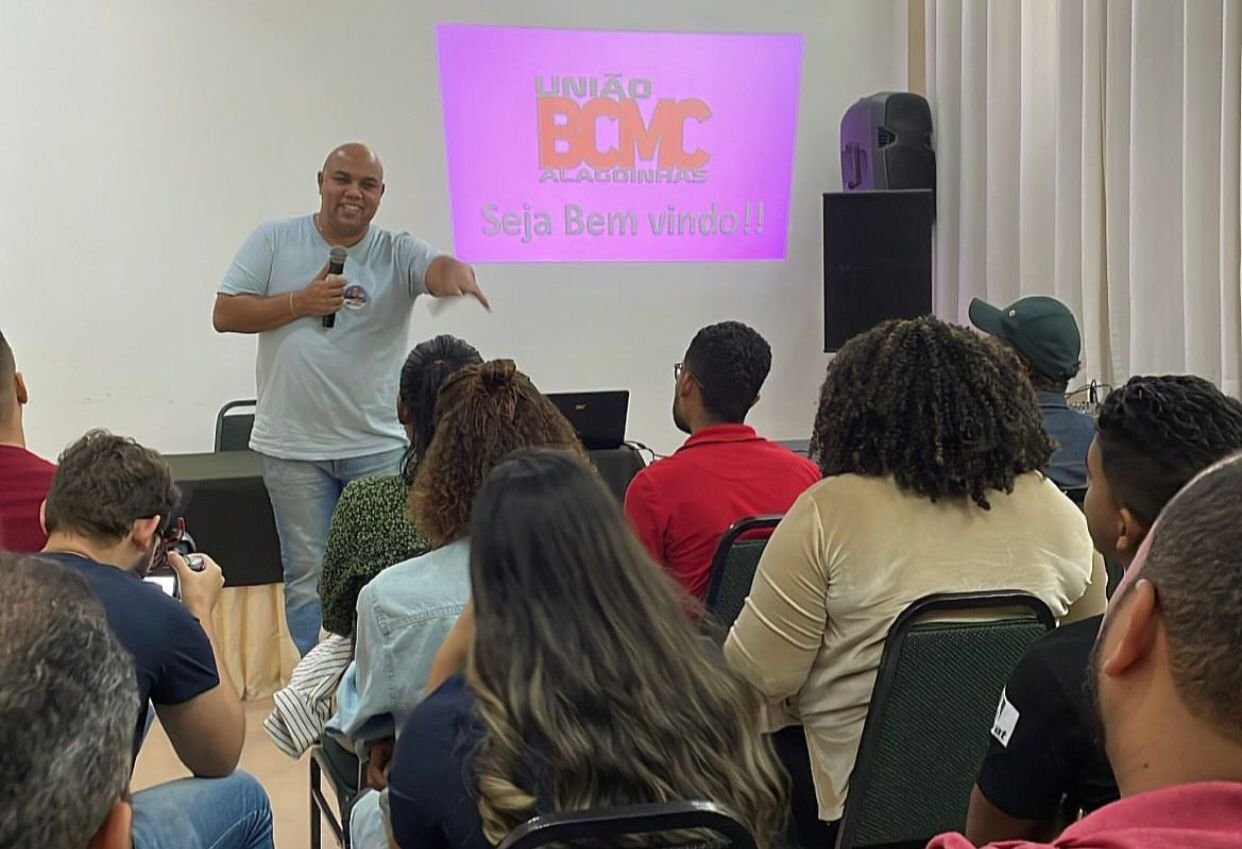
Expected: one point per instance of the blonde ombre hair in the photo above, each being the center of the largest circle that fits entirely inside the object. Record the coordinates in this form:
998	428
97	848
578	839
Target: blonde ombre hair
593	688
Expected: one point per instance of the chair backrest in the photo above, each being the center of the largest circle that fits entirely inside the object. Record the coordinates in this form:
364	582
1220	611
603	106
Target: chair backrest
609	826
733	567
927	725
233	431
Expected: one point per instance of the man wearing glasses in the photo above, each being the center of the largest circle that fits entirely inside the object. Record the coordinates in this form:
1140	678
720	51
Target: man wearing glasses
681	505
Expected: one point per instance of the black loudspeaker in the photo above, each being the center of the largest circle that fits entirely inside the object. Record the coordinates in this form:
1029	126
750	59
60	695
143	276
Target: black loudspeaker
886	143
877	260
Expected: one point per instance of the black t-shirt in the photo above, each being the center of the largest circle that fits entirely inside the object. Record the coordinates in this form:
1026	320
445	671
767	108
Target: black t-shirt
1042	747
431	796
172	655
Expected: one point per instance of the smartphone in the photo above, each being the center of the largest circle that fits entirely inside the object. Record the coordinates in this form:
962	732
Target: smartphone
166	579
163	576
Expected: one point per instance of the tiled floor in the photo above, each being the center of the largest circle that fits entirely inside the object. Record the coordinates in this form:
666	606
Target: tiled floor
286	780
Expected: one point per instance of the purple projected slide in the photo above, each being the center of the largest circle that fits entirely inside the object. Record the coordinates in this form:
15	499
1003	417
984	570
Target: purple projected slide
586	145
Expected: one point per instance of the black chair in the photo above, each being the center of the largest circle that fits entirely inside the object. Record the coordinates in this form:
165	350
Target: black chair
618	466
608	826
733	567
346	774
934	701
233	431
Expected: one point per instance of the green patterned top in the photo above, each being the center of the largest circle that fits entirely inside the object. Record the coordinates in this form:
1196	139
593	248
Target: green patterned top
370	532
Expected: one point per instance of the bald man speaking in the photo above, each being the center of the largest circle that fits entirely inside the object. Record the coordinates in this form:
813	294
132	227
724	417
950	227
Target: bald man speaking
327	396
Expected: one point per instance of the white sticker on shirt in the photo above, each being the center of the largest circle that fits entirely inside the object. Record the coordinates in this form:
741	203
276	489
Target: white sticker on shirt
1006	718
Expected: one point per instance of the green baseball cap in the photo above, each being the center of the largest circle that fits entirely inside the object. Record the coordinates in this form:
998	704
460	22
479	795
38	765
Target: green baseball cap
1041	329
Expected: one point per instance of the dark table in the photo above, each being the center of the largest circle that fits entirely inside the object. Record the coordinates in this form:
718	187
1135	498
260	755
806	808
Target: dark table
227	511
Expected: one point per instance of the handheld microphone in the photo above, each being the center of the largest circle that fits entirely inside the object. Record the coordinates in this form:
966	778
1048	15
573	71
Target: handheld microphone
336	265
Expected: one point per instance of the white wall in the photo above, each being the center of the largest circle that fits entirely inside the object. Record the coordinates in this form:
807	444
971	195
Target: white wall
143	140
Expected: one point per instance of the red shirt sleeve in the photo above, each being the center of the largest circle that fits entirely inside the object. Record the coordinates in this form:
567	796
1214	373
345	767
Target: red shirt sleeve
26	481
645	514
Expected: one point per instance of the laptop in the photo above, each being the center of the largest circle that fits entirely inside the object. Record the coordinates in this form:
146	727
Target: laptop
598	417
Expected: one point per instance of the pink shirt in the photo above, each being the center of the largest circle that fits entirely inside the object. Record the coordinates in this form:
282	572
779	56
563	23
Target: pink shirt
1206	815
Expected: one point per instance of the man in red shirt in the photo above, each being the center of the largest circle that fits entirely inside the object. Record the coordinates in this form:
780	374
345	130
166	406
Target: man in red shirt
681	505
1165	678
24	478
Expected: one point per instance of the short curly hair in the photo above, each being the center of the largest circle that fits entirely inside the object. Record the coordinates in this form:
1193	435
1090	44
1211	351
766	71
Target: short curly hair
935	406
484	412
730	362
104	483
1156	433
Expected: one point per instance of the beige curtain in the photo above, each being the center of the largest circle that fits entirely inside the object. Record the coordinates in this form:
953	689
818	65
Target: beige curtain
259	655
1089	149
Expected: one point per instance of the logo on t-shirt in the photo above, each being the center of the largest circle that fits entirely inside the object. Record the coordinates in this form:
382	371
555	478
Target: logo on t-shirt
356	297
1006	720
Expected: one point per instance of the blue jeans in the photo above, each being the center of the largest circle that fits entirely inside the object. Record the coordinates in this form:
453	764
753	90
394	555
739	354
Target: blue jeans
304	495
203	813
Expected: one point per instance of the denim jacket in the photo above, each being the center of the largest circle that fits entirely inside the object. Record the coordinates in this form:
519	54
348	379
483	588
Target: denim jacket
404	614
1073	432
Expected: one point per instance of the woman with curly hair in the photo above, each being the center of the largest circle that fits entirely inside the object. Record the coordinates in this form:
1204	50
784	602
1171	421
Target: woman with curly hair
586	685
484	412
931	445
371	527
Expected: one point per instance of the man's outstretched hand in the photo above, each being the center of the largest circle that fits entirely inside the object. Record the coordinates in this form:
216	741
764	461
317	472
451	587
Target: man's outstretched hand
450	278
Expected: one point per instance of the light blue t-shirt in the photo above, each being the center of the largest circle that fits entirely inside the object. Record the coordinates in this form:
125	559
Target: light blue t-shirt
331	394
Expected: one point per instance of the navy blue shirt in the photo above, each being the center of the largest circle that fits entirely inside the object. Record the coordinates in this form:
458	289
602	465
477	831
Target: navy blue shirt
1073	432
172	655
431	786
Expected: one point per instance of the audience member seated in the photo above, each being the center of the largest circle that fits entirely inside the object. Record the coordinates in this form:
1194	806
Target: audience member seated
371	528
681	505
484	412
67	696
24	477
1153	435
931	444
110	503
1045	335
587	685
1165	677
370	531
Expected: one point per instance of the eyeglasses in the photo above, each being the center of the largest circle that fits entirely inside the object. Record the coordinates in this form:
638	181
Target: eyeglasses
680	368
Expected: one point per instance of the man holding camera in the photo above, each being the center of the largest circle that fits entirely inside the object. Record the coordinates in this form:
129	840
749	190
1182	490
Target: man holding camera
109	502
